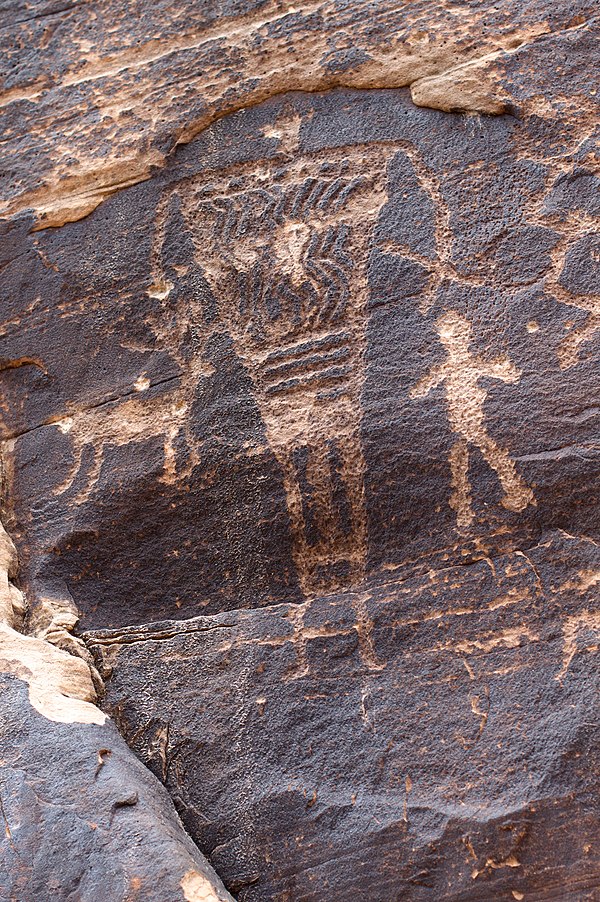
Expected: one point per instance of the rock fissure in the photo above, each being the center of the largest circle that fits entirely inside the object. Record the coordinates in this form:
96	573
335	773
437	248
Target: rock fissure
67	415
62	690
60	684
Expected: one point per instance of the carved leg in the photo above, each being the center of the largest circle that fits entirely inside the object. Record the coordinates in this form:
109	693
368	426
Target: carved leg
517	494
460	499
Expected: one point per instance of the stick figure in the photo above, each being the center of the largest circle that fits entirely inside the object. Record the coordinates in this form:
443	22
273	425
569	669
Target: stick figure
460	372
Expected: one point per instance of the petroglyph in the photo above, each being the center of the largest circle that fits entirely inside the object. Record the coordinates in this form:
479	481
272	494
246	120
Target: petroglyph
573	277
570	347
284	252
118	425
460	374
581	632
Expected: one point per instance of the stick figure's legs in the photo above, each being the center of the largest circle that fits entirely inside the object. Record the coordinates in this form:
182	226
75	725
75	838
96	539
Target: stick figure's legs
517	494
460	500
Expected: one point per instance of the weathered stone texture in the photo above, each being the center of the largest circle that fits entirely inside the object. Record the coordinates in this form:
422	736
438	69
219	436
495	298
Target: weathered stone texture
299	420
419	740
84	820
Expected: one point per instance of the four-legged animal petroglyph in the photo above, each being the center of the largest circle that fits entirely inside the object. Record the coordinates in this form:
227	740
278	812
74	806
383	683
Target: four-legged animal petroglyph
280	252
460	374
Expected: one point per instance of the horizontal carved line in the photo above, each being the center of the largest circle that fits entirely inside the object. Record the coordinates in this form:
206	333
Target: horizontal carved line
333	374
331	340
314	362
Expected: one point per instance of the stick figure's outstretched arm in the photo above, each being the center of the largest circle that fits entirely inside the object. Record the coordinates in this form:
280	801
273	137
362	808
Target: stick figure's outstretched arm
427	383
501	368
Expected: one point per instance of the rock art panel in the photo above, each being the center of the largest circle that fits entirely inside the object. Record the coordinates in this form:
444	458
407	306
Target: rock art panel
437	771
299	450
258	438
192	66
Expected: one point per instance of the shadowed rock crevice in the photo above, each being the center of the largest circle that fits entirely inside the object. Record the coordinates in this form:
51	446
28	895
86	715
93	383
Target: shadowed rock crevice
81	815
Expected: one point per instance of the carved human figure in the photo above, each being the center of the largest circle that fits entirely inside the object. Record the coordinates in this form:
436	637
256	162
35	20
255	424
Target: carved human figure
284	251
460	373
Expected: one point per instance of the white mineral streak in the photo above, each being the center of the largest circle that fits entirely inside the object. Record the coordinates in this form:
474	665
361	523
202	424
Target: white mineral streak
60	684
197	888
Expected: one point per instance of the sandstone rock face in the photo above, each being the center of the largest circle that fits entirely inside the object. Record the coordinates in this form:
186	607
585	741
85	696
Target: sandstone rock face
82	818
300	451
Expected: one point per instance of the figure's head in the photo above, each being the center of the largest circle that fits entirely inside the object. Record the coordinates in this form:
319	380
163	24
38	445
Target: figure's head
289	244
453	329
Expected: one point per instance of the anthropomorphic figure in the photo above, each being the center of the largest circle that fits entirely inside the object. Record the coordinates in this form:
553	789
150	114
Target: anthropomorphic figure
460	374
284	253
